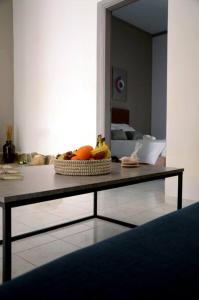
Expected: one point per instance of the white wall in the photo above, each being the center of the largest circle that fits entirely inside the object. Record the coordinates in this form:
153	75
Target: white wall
159	86
54	74
6	68
183	94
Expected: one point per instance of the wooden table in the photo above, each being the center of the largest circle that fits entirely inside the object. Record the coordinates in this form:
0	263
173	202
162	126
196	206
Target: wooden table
40	183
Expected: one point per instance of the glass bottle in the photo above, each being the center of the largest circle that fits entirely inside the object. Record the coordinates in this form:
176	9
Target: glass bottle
9	148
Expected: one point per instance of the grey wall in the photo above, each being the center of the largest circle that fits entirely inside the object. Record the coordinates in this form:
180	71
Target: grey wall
159	87
6	68
132	50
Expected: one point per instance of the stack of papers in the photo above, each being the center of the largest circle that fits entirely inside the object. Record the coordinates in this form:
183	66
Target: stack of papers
7	172
129	162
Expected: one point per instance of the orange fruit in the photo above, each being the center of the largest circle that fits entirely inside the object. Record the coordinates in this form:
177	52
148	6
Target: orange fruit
74	158
84	153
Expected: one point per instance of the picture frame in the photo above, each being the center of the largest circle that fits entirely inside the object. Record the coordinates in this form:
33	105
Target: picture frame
119	84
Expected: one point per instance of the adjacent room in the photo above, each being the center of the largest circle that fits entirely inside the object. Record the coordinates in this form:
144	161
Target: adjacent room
139	64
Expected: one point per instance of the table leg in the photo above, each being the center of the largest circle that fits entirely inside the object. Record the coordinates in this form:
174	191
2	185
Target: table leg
7	252
180	178
95	205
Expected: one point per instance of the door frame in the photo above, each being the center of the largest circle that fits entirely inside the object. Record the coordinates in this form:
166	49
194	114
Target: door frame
104	10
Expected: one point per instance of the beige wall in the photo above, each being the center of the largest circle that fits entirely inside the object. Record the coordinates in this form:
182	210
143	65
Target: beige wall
6	68
132	51
183	94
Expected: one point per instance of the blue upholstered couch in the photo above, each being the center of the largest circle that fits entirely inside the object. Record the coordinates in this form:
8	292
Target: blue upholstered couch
158	260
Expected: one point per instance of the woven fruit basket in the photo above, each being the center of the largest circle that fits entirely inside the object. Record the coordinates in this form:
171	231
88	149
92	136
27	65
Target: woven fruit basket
82	167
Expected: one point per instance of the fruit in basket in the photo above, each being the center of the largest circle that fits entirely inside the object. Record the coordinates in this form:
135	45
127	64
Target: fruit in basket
75	158
83	153
87	152
101	150
65	156
60	156
99	153
68	155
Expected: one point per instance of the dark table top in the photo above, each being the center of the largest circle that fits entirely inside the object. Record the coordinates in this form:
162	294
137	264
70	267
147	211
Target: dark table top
41	182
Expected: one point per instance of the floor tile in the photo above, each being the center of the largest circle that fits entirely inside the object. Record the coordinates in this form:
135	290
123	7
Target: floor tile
123	210
70	230
19	228
84	202
20	266
93	223
68	211
45	253
94	235
187	202
145	216
173	201
33	219
31	242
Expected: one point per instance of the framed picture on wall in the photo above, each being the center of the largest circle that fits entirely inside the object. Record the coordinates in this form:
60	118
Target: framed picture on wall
119	84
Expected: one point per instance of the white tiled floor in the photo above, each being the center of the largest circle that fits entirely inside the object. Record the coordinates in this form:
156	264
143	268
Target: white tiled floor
137	204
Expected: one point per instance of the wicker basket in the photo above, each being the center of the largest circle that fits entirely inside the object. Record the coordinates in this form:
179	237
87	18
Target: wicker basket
82	167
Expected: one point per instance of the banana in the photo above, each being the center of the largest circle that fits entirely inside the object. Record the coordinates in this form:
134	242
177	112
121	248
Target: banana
99	137
99	141
108	154
101	150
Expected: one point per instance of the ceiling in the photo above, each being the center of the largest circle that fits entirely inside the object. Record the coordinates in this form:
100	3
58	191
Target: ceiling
148	15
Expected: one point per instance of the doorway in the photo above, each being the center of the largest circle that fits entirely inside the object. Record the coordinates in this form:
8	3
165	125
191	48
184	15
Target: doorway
145	91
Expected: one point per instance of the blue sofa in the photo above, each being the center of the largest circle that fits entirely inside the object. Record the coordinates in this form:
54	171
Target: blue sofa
158	260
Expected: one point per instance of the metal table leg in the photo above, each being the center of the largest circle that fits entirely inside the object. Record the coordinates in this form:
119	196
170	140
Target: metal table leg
7	252
180	179
95	205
